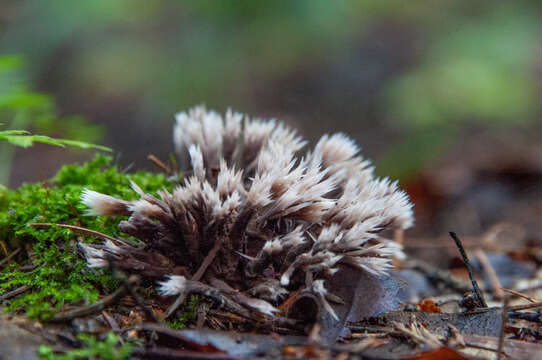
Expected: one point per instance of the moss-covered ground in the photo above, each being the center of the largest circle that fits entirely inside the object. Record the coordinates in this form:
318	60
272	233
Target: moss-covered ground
48	262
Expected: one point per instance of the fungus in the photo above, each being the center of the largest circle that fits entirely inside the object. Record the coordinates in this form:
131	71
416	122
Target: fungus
257	218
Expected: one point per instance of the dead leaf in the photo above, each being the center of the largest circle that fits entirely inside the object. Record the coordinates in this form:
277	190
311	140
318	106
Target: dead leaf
443	353
428	306
364	295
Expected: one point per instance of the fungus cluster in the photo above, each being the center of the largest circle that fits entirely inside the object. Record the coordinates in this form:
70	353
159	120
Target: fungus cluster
253	218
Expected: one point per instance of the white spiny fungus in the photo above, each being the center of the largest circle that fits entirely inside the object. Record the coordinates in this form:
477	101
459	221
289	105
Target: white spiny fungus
274	222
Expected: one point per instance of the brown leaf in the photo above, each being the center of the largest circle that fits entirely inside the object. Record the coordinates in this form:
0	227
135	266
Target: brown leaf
443	353
428	305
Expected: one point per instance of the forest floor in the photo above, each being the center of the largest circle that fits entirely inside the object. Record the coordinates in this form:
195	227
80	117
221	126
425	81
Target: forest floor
470	297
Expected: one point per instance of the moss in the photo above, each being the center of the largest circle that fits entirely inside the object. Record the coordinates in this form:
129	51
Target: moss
108	349
189	313
60	275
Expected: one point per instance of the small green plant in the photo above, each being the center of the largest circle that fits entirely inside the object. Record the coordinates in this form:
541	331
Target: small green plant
60	275
21	109
108	349
24	139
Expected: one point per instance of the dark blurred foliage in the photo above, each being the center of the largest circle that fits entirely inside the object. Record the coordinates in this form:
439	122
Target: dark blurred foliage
406	79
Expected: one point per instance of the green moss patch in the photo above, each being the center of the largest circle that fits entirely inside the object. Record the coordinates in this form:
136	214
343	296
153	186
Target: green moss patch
57	274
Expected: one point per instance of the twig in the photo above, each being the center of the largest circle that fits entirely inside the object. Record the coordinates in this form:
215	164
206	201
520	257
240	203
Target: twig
176	354
486	348
13	293
128	284
518	294
197	276
8	258
535	287
208	260
111	322
527	316
5	249
178	302
490	271
504	321
80	230
526	306
97	307
159	163
475	287
399	237
202	314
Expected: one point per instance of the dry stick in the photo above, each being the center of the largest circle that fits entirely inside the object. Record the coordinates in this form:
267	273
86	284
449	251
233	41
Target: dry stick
518	294
97	307
486	348
80	230
139	301
9	257
5	249
399	237
504	321
201	316
13	293
177	354
526	306
207	261
475	287
493	278
159	163
197	276
536	286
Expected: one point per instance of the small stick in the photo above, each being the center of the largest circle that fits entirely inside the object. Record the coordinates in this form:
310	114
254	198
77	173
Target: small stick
139	301
5	249
486	348
9	257
201	316
475	287
399	237
159	163
97	307
208	260
493	278
13	293
80	230
111	322
518	294
526	306
504	321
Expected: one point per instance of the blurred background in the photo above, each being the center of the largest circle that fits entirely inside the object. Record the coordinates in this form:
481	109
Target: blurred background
442	95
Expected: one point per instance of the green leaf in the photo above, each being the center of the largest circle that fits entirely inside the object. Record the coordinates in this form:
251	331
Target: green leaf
24	139
84	145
